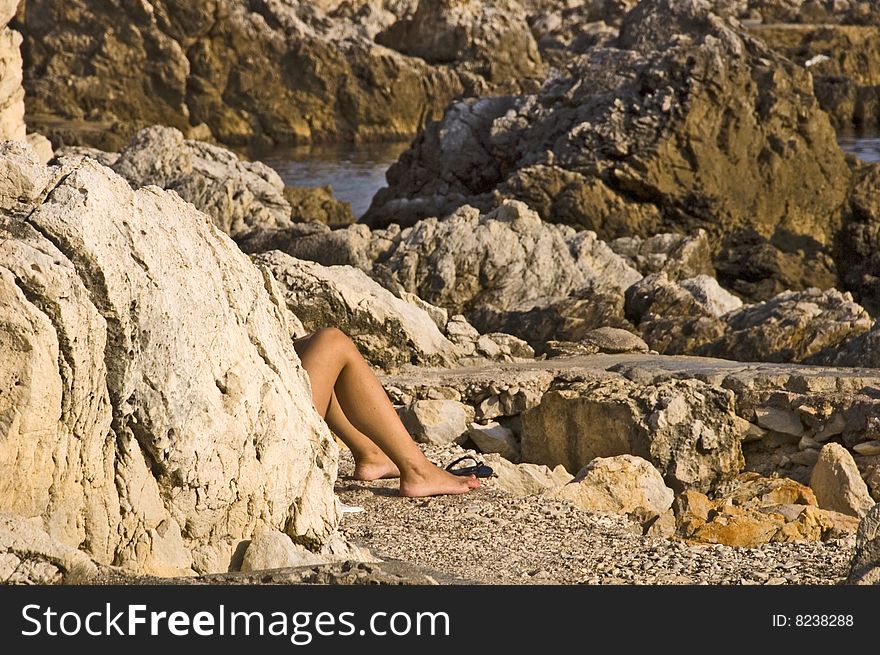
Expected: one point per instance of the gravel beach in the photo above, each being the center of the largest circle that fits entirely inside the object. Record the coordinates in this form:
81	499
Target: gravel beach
491	537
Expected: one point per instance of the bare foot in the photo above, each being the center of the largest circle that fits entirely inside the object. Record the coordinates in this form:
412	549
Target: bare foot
377	467
435	481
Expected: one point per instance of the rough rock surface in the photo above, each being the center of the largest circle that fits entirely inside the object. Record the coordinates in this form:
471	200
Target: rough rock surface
865	564
696	316
153	410
388	331
437	422
837	483
784	413
844	61
28	555
527	479
490	39
686	428
623	484
689	123
859	240
238	195
11	91
318	204
792	327
247	72
679	256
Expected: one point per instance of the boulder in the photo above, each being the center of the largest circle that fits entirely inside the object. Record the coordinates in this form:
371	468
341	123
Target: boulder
688	123
12	96
487	265
837	483
623	484
613	340
836	55
272	549
527	479
238	195
492	437
318	204
23	177
154	413
751	510
255	73
858	254
864	567
687	429
41	146
677	255
565	30
794	326
355	245
714	299
491	40
388	331
28	555
437	422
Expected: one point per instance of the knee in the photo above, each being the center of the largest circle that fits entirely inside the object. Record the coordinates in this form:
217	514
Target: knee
332	339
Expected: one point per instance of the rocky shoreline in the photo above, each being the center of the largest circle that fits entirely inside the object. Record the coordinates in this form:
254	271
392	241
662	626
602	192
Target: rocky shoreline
628	266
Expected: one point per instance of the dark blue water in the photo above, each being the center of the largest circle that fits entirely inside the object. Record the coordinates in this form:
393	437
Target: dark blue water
355	172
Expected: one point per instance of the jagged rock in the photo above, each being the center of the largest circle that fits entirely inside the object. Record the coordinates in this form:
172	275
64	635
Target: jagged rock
814	11
676	335
837	483
564	30
623	485
753	490
504	272
388	331
685	428
158	414
506	261
28	555
747	528
492	40
659	134
568	320
865	564
757	267
714	299
318	204
751	510
22	177
859	250
12	125
493	437
355	245
261	72
437	422
791	327
527	479
656	296
836	55
679	256
238	195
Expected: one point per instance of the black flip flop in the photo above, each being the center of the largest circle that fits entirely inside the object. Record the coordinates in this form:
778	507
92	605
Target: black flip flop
478	469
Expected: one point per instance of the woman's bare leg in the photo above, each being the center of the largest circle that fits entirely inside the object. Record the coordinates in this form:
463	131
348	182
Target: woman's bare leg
370	463
335	367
